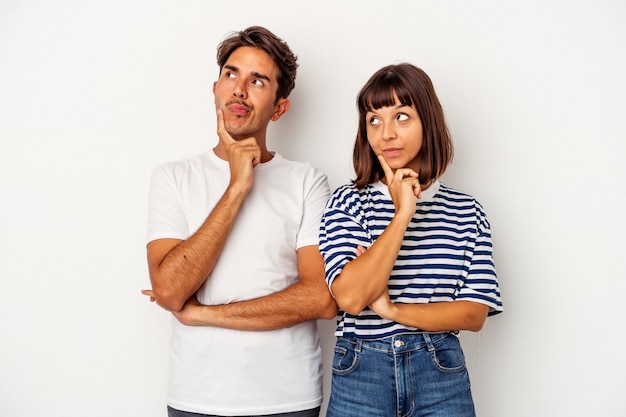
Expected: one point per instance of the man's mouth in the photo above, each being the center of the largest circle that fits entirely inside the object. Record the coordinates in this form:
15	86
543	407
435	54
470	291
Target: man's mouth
239	109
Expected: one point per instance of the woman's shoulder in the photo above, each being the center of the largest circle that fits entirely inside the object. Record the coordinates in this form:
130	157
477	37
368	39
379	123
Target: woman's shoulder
454	195
344	193
460	200
453	192
351	192
348	197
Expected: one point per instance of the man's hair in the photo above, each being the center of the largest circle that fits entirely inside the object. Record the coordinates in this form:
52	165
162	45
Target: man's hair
261	38
411	86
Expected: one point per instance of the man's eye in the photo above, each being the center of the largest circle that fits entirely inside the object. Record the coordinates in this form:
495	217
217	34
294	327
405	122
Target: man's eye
258	83
402	117
230	74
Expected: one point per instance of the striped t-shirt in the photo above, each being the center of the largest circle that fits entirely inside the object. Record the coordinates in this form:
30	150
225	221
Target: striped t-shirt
446	253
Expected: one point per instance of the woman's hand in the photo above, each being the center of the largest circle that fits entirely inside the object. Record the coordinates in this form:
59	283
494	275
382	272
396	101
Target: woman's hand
383	306
404	187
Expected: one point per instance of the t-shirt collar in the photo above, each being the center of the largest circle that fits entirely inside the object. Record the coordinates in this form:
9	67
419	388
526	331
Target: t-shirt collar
427	194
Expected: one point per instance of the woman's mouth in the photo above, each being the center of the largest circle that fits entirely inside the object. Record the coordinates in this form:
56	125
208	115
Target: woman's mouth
392	152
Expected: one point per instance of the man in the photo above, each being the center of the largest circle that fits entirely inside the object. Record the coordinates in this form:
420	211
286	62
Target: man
233	254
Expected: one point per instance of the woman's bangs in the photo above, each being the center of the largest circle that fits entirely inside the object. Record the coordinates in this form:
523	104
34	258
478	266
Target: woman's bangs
383	93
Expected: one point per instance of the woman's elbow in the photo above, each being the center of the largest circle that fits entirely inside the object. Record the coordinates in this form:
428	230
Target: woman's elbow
350	305
475	326
475	318
348	300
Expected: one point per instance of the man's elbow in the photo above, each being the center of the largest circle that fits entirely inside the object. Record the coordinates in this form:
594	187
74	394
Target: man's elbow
330	309
326	306
168	300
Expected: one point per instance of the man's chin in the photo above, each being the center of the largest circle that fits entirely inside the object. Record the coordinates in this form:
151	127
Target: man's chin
238	134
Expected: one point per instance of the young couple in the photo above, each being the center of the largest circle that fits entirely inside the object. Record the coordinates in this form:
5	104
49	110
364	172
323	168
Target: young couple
237	254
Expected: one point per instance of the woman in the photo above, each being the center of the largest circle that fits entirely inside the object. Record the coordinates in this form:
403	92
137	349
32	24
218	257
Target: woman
408	260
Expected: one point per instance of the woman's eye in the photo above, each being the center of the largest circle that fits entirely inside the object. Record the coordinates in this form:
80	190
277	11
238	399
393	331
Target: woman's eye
402	117
374	121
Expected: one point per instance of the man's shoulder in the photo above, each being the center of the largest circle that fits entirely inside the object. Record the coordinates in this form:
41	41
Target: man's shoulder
298	168
199	161
280	160
187	161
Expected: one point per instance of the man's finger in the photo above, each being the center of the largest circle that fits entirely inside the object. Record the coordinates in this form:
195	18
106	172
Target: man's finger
221	129
150	294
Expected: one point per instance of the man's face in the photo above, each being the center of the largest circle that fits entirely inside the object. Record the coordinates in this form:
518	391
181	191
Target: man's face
246	93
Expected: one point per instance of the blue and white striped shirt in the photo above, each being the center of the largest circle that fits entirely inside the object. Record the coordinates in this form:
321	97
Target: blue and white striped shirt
446	253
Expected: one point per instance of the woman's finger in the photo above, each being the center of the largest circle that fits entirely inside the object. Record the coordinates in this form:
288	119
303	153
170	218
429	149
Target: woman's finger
386	169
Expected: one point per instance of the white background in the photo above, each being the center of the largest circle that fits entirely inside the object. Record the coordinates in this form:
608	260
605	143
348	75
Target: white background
93	95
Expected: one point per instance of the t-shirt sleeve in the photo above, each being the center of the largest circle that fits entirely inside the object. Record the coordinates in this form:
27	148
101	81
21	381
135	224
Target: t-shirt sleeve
481	283
341	233
316	193
166	217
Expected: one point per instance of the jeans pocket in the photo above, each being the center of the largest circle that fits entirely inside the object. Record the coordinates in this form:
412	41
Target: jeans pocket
448	355
345	358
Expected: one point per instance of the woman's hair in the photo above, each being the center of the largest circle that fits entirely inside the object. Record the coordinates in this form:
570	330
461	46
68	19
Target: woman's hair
276	48
411	86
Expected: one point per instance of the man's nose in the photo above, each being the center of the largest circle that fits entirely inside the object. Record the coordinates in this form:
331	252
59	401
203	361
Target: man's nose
240	90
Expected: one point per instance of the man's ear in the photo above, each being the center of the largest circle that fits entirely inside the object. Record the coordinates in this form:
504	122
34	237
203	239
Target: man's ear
282	107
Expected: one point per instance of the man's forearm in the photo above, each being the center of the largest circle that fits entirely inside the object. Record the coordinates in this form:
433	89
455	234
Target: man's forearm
285	308
178	274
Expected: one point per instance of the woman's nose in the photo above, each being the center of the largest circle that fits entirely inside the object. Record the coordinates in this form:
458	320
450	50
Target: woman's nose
389	131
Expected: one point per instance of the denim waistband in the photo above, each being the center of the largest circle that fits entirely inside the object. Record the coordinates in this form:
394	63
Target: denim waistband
400	343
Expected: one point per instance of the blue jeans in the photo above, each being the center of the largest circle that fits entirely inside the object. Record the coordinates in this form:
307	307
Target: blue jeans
404	375
314	412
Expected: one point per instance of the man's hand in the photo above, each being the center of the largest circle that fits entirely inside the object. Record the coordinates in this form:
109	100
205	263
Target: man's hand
150	294
243	155
187	314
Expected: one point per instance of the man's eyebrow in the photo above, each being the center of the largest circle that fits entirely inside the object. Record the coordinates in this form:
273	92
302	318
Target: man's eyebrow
231	67
261	76
254	74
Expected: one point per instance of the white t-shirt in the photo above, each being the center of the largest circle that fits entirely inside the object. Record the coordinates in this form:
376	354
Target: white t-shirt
232	372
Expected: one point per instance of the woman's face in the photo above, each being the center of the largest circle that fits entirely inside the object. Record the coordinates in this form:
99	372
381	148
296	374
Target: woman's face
396	133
